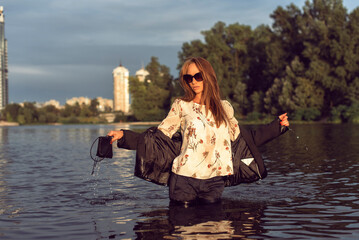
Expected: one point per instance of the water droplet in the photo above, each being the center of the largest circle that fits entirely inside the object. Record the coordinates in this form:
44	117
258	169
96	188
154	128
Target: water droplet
306	148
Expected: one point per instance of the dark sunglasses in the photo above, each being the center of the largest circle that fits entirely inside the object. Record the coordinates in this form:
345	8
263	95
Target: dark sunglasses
189	78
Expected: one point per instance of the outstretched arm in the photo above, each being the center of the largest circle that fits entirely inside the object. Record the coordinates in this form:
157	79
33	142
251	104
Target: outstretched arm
125	139
267	132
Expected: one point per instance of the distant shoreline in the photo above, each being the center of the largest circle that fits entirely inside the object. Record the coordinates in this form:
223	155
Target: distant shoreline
134	123
7	124
10	124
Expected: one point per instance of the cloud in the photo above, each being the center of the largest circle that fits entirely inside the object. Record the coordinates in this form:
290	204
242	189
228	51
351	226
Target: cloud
22	70
87	72
160	22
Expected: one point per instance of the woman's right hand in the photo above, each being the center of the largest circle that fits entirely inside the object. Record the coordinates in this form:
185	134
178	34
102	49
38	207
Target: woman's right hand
116	135
284	120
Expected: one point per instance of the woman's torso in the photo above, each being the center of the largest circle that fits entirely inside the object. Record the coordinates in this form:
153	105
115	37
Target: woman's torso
206	148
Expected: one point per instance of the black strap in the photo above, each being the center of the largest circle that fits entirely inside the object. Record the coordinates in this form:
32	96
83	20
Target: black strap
96	160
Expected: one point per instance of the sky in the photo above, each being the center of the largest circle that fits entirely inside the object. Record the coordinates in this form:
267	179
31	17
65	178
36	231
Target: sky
59	49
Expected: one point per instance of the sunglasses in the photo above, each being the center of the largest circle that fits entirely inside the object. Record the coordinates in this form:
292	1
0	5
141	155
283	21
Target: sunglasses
189	78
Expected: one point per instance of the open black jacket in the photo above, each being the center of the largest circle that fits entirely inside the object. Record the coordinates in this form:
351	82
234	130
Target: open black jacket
156	152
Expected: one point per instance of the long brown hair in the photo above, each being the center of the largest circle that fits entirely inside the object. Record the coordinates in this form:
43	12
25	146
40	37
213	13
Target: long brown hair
211	96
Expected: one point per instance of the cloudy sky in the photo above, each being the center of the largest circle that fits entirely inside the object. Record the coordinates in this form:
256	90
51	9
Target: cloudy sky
59	49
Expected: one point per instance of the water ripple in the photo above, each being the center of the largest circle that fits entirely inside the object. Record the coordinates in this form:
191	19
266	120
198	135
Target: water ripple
47	192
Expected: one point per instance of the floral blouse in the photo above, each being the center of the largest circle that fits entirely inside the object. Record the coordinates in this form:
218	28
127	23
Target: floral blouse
206	150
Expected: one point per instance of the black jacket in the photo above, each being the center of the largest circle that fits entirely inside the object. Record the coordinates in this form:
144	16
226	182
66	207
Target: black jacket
156	152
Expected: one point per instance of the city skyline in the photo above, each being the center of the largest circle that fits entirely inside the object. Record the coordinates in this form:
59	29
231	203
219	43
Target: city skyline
140	74
61	49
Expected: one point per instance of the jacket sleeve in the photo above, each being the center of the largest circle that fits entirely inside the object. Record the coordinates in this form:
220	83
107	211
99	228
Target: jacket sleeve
268	132
129	140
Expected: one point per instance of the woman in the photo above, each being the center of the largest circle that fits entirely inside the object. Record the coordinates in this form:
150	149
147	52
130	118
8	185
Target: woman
211	139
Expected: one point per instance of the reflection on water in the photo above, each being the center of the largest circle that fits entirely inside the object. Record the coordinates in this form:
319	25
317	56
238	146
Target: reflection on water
46	190
226	220
3	162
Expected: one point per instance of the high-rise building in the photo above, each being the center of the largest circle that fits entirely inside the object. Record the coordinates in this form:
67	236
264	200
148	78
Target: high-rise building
121	94
4	89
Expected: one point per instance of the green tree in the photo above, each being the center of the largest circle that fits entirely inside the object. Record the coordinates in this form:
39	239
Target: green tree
71	110
48	114
151	99
227	49
86	111
307	63
11	112
256	101
138	92
93	107
192	49
294	92
160	77
266	63
324	42
147	100
28	114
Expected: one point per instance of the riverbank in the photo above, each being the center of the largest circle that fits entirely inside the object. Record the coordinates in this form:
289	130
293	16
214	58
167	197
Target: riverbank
241	122
134	123
7	124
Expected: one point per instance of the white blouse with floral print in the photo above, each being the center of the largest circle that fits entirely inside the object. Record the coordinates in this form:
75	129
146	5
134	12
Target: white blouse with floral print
206	150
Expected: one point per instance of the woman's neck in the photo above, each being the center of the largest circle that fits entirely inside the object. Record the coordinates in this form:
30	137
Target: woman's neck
197	98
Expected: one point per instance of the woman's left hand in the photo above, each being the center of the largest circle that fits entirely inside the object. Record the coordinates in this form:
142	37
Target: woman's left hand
116	135
284	120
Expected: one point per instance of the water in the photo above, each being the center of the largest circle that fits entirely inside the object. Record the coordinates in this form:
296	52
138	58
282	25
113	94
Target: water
47	191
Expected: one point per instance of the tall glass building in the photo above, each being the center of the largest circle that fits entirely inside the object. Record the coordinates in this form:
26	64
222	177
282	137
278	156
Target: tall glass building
4	88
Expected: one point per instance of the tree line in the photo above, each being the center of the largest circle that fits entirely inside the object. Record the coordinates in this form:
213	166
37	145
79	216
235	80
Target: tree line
29	113
150	101
306	64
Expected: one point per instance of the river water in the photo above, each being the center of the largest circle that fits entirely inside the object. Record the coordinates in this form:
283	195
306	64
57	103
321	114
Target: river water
47	192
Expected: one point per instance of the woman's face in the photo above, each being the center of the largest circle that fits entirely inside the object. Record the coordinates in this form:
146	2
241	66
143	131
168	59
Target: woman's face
197	87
